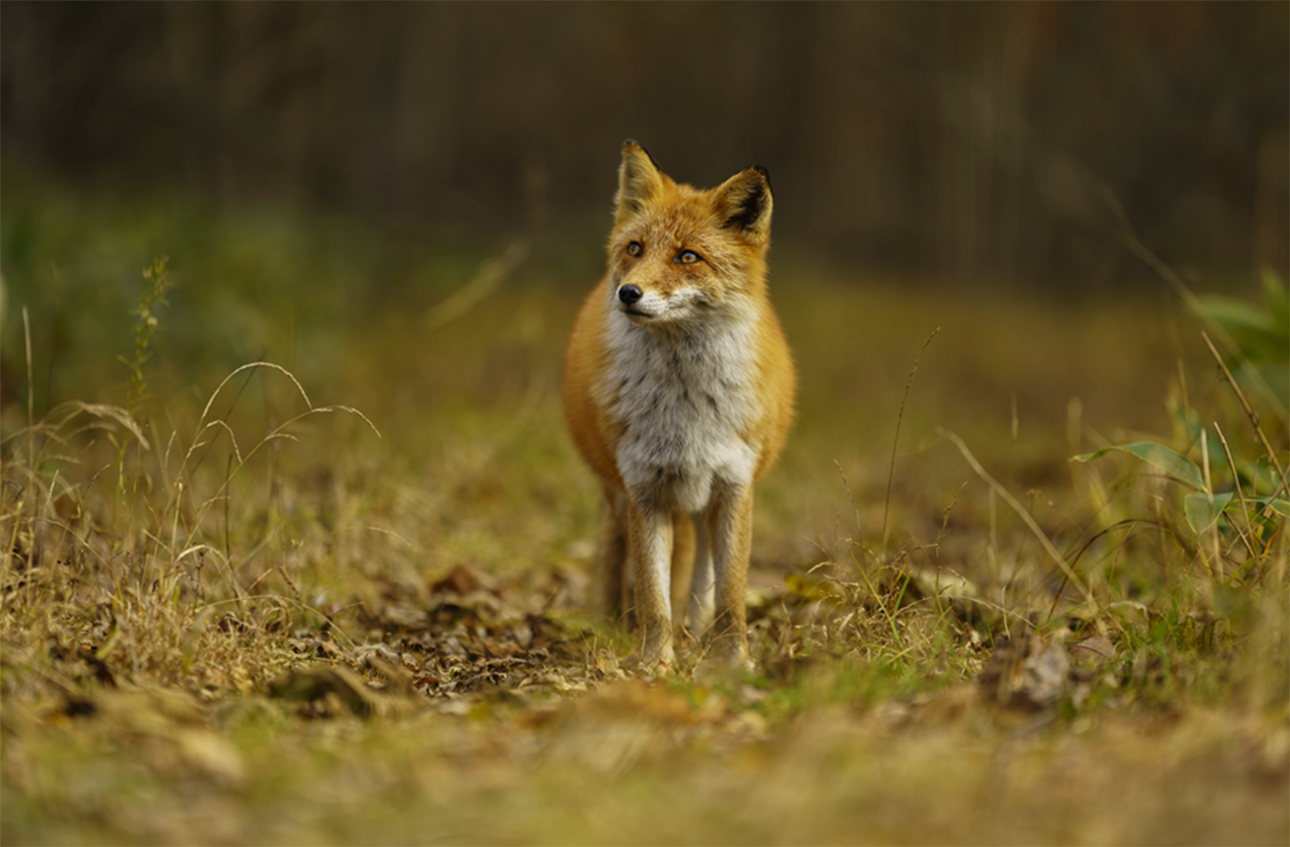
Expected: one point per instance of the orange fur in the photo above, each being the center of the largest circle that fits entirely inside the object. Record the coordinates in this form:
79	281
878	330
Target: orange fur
678	392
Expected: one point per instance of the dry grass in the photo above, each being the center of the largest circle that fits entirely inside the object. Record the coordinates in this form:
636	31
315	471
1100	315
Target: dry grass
232	616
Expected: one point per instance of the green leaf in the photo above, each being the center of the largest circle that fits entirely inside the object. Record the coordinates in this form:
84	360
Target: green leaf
1279	505
1201	514
1256	329
1277	295
1261	477
1236	316
1162	457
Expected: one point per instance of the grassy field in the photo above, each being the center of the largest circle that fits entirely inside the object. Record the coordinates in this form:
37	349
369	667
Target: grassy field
347	596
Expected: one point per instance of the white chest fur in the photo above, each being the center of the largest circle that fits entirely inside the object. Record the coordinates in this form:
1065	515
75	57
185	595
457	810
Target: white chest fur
686	398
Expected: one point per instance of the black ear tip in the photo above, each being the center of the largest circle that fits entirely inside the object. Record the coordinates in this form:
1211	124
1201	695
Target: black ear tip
765	174
631	142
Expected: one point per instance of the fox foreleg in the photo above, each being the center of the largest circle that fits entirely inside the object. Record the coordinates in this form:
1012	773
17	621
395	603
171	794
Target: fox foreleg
731	540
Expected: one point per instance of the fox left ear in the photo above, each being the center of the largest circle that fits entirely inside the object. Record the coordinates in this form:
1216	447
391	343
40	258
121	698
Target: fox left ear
639	180
744	202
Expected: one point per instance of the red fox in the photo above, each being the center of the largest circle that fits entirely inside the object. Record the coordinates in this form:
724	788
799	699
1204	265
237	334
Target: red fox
678	391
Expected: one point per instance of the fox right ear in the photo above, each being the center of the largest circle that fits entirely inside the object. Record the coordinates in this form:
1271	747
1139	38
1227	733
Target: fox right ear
744	204
639	180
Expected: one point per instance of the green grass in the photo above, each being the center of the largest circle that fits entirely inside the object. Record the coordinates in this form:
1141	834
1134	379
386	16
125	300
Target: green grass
328	635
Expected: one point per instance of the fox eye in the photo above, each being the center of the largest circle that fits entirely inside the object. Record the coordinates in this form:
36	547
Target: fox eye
687	257
634	249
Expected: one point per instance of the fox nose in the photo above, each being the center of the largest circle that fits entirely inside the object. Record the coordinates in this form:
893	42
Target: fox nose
629	294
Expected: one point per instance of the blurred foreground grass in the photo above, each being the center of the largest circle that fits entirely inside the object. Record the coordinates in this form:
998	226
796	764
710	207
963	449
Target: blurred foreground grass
252	621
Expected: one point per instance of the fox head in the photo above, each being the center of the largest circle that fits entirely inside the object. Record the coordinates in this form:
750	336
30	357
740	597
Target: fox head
678	253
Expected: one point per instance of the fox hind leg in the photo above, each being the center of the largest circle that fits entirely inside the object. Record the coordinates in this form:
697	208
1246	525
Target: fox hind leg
683	563
700	589
613	556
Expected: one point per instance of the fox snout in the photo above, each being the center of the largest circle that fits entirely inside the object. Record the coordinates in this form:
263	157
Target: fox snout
646	303
638	304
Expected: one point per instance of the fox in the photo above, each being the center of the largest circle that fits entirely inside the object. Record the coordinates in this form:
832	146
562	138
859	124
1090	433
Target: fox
678	387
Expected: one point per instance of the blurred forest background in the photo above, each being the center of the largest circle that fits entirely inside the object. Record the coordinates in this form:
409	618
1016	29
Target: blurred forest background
402	204
966	144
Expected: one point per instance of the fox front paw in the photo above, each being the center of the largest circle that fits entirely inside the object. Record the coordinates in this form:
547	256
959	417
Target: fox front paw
724	655
657	659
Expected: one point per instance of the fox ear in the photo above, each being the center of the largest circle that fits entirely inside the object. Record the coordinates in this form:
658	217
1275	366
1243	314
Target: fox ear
639	179
744	203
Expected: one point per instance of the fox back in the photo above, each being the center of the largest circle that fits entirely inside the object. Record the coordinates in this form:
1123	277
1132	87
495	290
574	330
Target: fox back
678	390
